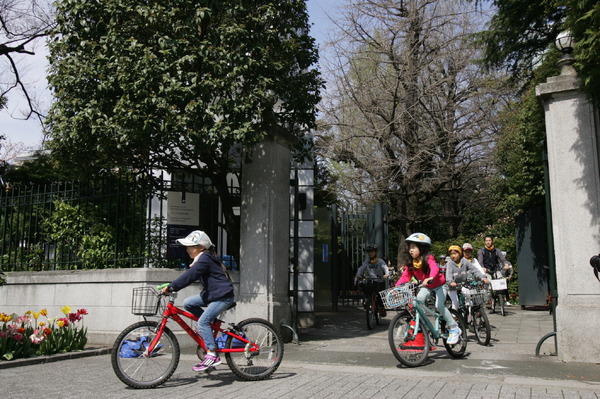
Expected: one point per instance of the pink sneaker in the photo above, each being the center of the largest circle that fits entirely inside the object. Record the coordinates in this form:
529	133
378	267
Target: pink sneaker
208	362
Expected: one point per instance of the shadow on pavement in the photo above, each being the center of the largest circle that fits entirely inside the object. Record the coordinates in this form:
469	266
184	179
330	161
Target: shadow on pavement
347	322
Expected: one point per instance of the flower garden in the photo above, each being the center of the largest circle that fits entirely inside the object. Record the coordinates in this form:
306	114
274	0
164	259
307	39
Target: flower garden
35	334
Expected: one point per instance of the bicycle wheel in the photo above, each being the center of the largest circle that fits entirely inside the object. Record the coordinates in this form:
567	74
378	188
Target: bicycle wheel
408	348
372	312
260	364
376	310
370	315
458	349
135	369
481	325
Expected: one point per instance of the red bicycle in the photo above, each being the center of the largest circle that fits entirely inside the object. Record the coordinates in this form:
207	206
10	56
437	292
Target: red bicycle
147	353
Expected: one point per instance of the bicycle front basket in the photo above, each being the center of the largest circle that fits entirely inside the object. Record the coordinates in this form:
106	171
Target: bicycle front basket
499	284
475	297
395	297
145	301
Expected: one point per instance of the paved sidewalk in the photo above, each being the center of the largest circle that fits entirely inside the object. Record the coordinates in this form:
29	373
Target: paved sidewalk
340	358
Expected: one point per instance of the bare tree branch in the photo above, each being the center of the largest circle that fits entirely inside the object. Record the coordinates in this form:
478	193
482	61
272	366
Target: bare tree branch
409	115
23	23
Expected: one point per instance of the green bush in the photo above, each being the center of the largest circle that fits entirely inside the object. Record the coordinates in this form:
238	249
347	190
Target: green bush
80	235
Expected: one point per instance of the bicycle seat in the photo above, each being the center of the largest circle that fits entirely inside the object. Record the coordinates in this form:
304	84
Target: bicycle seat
233	305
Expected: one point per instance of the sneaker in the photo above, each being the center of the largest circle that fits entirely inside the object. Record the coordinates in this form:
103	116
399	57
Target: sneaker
508	303
453	335
208	362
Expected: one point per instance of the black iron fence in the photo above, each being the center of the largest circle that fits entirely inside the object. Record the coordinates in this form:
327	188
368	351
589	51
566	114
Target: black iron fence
105	223
73	225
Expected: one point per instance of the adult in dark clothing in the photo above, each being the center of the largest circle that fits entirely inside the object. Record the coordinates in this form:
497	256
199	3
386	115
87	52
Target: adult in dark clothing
491	259
216	295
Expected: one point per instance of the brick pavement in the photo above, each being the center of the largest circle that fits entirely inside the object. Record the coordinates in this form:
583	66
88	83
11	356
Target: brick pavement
340	358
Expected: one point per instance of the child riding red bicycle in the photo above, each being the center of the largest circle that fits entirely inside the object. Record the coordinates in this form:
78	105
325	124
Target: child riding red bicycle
215	297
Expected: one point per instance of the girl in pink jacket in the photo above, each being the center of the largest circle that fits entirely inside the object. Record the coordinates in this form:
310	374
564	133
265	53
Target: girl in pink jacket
424	268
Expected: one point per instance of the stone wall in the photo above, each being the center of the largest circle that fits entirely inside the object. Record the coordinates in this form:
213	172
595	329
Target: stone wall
105	294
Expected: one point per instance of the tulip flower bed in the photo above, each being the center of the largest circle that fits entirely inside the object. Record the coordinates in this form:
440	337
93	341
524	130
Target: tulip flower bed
35	334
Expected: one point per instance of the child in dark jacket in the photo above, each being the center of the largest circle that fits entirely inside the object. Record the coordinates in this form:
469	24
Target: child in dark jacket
216	294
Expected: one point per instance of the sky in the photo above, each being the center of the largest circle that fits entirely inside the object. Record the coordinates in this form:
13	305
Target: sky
32	70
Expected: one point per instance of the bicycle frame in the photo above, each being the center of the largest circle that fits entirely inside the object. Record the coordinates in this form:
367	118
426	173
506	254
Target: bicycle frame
423	312
463	307
174	313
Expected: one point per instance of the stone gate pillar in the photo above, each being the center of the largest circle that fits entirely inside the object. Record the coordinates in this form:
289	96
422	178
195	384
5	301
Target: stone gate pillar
574	175
265	232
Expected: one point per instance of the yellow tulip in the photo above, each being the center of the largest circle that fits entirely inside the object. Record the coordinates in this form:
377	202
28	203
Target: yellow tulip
36	315
61	323
66	310
44	312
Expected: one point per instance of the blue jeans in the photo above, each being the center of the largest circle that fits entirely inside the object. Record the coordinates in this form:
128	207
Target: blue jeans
194	305
440	303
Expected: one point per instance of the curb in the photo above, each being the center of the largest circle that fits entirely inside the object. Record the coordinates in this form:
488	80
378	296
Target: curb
5	364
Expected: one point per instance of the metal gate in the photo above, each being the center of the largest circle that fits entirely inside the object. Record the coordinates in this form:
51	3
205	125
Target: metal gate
352	229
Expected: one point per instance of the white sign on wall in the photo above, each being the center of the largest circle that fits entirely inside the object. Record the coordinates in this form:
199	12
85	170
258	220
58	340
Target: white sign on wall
183	208
183	216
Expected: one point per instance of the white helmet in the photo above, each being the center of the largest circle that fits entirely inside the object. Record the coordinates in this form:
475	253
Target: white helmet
419	238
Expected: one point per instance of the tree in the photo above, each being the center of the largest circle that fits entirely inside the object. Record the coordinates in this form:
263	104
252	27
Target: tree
521	32
178	85
22	24
411	114
519	186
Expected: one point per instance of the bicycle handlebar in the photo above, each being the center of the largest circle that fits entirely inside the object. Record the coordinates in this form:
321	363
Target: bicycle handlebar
162	286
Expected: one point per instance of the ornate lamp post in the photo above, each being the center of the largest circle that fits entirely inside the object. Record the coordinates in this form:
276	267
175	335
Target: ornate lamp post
565	43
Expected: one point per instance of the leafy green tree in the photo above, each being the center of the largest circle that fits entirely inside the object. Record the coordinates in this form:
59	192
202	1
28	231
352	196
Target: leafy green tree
178	85
42	169
521	31
519	185
583	20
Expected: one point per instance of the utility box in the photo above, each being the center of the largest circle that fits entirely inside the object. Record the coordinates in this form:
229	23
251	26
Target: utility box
532	258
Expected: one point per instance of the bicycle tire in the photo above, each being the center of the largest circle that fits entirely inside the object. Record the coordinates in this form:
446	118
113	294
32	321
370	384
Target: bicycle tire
376	310
140	371
370	316
481	326
254	366
458	349
409	349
